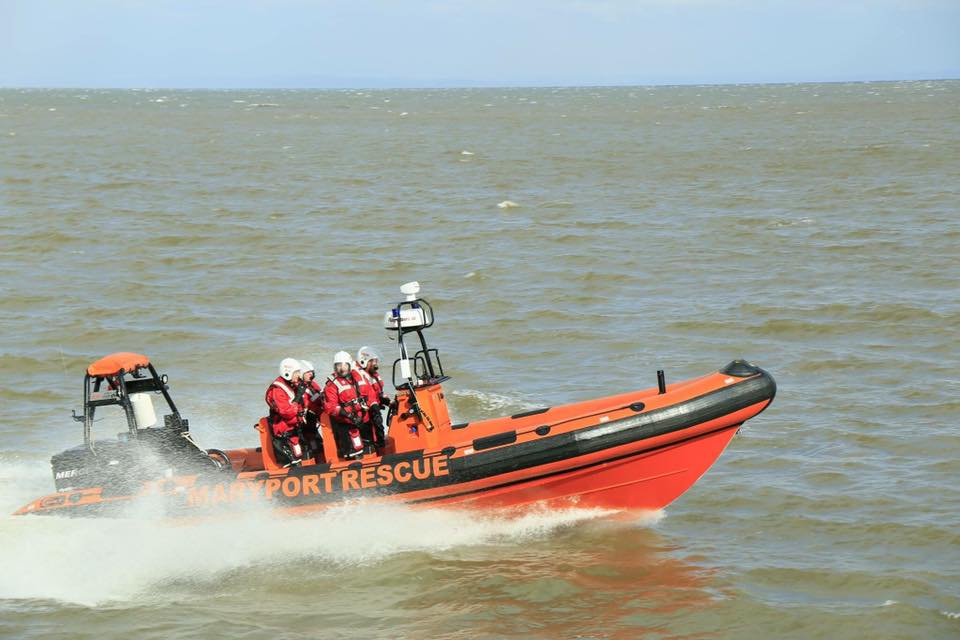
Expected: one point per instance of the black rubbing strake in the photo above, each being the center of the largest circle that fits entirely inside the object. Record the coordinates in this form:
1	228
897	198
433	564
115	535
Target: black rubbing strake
393	458
532	412
488	442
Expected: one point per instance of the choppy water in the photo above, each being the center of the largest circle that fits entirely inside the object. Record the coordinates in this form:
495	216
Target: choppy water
814	229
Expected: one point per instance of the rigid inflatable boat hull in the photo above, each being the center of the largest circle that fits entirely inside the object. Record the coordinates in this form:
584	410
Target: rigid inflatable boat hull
629	452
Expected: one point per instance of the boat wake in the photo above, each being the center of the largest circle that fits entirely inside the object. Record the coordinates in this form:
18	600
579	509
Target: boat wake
90	561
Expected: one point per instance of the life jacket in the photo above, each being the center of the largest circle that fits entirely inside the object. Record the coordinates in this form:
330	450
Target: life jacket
340	392
283	409
377	382
282	384
374	384
313	397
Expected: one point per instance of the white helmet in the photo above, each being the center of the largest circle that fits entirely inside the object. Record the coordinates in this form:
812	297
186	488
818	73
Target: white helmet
306	366
342	357
365	355
289	366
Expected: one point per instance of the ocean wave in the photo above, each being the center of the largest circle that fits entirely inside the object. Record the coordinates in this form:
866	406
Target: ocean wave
472	402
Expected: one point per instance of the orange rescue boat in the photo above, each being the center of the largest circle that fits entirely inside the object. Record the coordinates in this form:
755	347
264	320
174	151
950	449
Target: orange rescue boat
632	451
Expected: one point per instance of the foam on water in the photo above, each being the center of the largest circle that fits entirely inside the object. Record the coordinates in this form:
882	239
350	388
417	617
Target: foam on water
89	561
486	402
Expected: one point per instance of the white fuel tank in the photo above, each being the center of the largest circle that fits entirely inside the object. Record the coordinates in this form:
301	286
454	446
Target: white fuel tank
143	410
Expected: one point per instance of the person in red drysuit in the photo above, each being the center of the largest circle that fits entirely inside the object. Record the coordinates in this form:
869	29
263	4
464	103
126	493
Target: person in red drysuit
286	411
368	365
312	394
345	401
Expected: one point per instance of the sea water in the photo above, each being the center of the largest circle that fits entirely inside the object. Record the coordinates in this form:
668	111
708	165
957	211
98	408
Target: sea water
813	229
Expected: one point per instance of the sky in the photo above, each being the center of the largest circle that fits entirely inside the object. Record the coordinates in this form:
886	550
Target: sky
423	43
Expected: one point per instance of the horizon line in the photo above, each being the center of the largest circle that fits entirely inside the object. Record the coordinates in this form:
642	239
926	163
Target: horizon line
477	85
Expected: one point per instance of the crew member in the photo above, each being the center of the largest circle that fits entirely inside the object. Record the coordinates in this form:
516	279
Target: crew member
286	414
346	404
368	366
312	394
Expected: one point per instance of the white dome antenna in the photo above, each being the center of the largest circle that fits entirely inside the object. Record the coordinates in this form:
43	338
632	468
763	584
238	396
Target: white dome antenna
410	289
413	313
